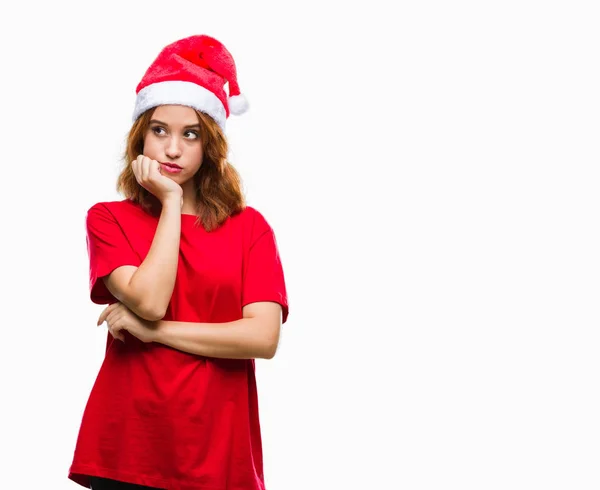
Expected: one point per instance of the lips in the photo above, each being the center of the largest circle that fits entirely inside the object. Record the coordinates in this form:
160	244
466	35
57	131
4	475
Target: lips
173	165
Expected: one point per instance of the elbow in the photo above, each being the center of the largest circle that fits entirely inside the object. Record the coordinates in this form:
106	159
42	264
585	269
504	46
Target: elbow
150	304
152	313
270	350
154	317
271	343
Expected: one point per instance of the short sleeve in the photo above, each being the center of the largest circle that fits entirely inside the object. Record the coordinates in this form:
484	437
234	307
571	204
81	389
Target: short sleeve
263	273
108	248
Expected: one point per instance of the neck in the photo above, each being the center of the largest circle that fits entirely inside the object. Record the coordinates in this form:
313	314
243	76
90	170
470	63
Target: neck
189	198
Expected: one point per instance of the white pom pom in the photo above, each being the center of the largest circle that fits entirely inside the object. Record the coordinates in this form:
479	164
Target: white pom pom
238	104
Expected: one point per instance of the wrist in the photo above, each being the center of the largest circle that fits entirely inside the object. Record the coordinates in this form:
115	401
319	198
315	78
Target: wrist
156	326
173	201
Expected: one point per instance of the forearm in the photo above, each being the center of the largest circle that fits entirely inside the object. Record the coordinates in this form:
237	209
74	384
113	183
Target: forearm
240	339
154	279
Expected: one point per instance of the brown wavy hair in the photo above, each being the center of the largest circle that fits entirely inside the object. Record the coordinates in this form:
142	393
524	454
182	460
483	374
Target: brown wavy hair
218	184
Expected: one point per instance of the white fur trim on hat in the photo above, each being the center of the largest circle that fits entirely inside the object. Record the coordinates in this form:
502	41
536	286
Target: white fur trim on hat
180	93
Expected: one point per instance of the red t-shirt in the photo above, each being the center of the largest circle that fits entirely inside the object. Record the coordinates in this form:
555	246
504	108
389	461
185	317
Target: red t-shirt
158	416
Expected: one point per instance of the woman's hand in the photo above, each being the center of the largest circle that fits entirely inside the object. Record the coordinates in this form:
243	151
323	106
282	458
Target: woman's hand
147	173
118	318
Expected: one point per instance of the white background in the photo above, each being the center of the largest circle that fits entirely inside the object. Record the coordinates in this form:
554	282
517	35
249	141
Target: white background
431	174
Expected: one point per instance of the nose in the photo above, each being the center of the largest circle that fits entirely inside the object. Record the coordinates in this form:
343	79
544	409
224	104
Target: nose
173	148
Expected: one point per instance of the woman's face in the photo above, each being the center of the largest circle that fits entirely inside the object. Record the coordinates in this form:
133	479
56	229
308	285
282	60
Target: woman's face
174	137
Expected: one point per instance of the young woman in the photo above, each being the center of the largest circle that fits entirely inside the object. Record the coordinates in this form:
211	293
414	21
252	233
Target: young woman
195	288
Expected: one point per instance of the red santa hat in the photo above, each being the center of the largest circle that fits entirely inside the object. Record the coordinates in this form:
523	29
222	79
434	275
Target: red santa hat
192	72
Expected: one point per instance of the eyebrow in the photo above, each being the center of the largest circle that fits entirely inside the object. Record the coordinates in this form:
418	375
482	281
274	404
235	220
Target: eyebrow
197	125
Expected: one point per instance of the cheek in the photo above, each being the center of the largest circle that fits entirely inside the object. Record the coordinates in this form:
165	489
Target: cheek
194	154
149	145
199	153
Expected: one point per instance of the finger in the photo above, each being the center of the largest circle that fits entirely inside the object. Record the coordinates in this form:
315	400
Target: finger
121	331
155	168
134	165
113	316
117	334
102	317
145	168
138	167
117	331
106	312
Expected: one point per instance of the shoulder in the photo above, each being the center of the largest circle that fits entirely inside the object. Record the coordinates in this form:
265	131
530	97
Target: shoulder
250	225
99	210
114	211
254	216
104	207
253	221
115	208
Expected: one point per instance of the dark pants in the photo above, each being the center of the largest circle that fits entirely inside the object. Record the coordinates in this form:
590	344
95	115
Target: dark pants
99	483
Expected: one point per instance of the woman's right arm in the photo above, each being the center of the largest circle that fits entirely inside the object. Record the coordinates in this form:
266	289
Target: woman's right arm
147	289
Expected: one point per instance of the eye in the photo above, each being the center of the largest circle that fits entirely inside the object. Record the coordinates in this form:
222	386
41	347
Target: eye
156	129
194	133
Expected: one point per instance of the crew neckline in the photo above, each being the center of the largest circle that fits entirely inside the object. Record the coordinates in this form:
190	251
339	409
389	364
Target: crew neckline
187	215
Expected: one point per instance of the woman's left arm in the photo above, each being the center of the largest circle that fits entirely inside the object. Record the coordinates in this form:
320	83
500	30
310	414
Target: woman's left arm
256	335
